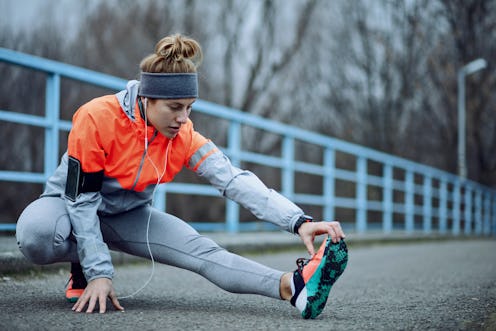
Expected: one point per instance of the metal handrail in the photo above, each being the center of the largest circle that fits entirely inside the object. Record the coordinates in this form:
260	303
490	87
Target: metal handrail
458	200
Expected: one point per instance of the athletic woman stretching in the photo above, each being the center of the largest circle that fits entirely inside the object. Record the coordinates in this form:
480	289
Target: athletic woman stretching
120	148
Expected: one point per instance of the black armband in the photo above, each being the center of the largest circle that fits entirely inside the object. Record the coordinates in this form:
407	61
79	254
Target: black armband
79	181
300	221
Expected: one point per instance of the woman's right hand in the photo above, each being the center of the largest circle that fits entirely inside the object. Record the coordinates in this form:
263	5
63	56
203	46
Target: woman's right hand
97	291
309	230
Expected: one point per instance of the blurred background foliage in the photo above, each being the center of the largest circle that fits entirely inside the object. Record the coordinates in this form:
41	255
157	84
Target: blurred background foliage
377	73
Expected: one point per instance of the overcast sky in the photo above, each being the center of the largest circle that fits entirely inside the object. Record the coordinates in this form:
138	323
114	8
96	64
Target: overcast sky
18	13
30	14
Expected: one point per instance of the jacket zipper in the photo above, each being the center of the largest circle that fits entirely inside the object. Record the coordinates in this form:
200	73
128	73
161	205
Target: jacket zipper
155	133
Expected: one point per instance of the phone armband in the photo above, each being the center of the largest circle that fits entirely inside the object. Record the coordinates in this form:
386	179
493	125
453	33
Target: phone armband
79	181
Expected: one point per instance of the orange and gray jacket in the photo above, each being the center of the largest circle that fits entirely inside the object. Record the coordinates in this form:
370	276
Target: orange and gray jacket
116	174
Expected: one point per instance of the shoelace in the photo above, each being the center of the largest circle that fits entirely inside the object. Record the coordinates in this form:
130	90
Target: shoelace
301	262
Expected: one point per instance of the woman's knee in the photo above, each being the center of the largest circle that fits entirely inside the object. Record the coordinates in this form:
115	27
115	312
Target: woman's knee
38	230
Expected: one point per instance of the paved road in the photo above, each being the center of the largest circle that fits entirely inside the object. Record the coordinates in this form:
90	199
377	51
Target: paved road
425	286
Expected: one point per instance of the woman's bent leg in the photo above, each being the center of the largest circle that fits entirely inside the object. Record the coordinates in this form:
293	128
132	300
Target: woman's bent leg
174	242
43	232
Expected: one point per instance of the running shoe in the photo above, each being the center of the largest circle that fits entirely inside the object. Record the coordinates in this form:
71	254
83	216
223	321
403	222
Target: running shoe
76	284
314	277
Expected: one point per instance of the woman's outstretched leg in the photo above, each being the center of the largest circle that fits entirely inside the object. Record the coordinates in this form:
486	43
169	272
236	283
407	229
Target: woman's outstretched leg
176	243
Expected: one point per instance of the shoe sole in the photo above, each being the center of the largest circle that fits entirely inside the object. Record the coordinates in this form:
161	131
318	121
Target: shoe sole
72	299
334	261
73	295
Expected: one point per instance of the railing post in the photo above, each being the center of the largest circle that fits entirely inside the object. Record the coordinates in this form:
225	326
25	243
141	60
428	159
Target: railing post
456	207
288	154
329	182
409	201
487	214
387	196
443	206
52	115
478	212
494	215
361	195
427	205
468	210
233	146
159	198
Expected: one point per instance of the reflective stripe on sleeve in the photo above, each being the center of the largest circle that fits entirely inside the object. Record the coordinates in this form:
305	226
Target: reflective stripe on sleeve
201	154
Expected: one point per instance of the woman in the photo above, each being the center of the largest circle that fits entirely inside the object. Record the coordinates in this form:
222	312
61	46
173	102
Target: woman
119	149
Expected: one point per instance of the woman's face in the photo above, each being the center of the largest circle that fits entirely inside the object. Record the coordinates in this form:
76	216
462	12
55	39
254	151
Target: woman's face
167	115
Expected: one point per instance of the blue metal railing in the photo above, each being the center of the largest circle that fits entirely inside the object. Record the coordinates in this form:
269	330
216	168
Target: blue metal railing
447	201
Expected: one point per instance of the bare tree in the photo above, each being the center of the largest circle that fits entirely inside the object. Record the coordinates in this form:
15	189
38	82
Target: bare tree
379	73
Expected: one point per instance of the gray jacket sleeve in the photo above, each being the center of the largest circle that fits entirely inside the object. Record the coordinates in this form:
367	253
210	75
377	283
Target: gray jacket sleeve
94	254
247	189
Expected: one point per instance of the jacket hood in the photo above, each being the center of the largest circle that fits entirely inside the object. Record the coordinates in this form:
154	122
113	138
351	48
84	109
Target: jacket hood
127	98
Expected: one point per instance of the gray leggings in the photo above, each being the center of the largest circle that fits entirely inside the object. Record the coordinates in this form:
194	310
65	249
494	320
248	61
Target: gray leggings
44	237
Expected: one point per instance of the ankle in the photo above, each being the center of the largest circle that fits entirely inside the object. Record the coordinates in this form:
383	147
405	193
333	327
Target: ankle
285	286
76	268
77	275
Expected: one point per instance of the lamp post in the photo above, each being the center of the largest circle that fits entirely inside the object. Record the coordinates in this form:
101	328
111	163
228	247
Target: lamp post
466	70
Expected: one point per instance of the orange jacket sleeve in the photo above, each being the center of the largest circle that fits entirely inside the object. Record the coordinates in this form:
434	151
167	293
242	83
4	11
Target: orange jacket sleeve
84	141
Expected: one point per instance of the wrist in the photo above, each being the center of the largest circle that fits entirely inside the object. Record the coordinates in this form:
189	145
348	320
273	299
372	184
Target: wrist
302	219
100	277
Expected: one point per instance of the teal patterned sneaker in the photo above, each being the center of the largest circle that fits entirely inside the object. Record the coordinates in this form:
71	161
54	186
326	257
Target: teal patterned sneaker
313	279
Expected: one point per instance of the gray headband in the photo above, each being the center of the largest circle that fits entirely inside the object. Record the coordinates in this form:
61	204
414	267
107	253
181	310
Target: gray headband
168	86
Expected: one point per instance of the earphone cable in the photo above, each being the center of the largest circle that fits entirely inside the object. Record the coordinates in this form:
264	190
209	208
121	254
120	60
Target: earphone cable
159	178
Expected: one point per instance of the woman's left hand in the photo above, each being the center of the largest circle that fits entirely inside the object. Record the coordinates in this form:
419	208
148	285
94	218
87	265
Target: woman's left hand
97	291
309	230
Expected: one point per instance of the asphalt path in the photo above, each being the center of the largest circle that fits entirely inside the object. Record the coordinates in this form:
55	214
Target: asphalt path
449	285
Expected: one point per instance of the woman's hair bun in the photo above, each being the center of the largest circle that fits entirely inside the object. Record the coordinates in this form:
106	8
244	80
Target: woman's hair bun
174	53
